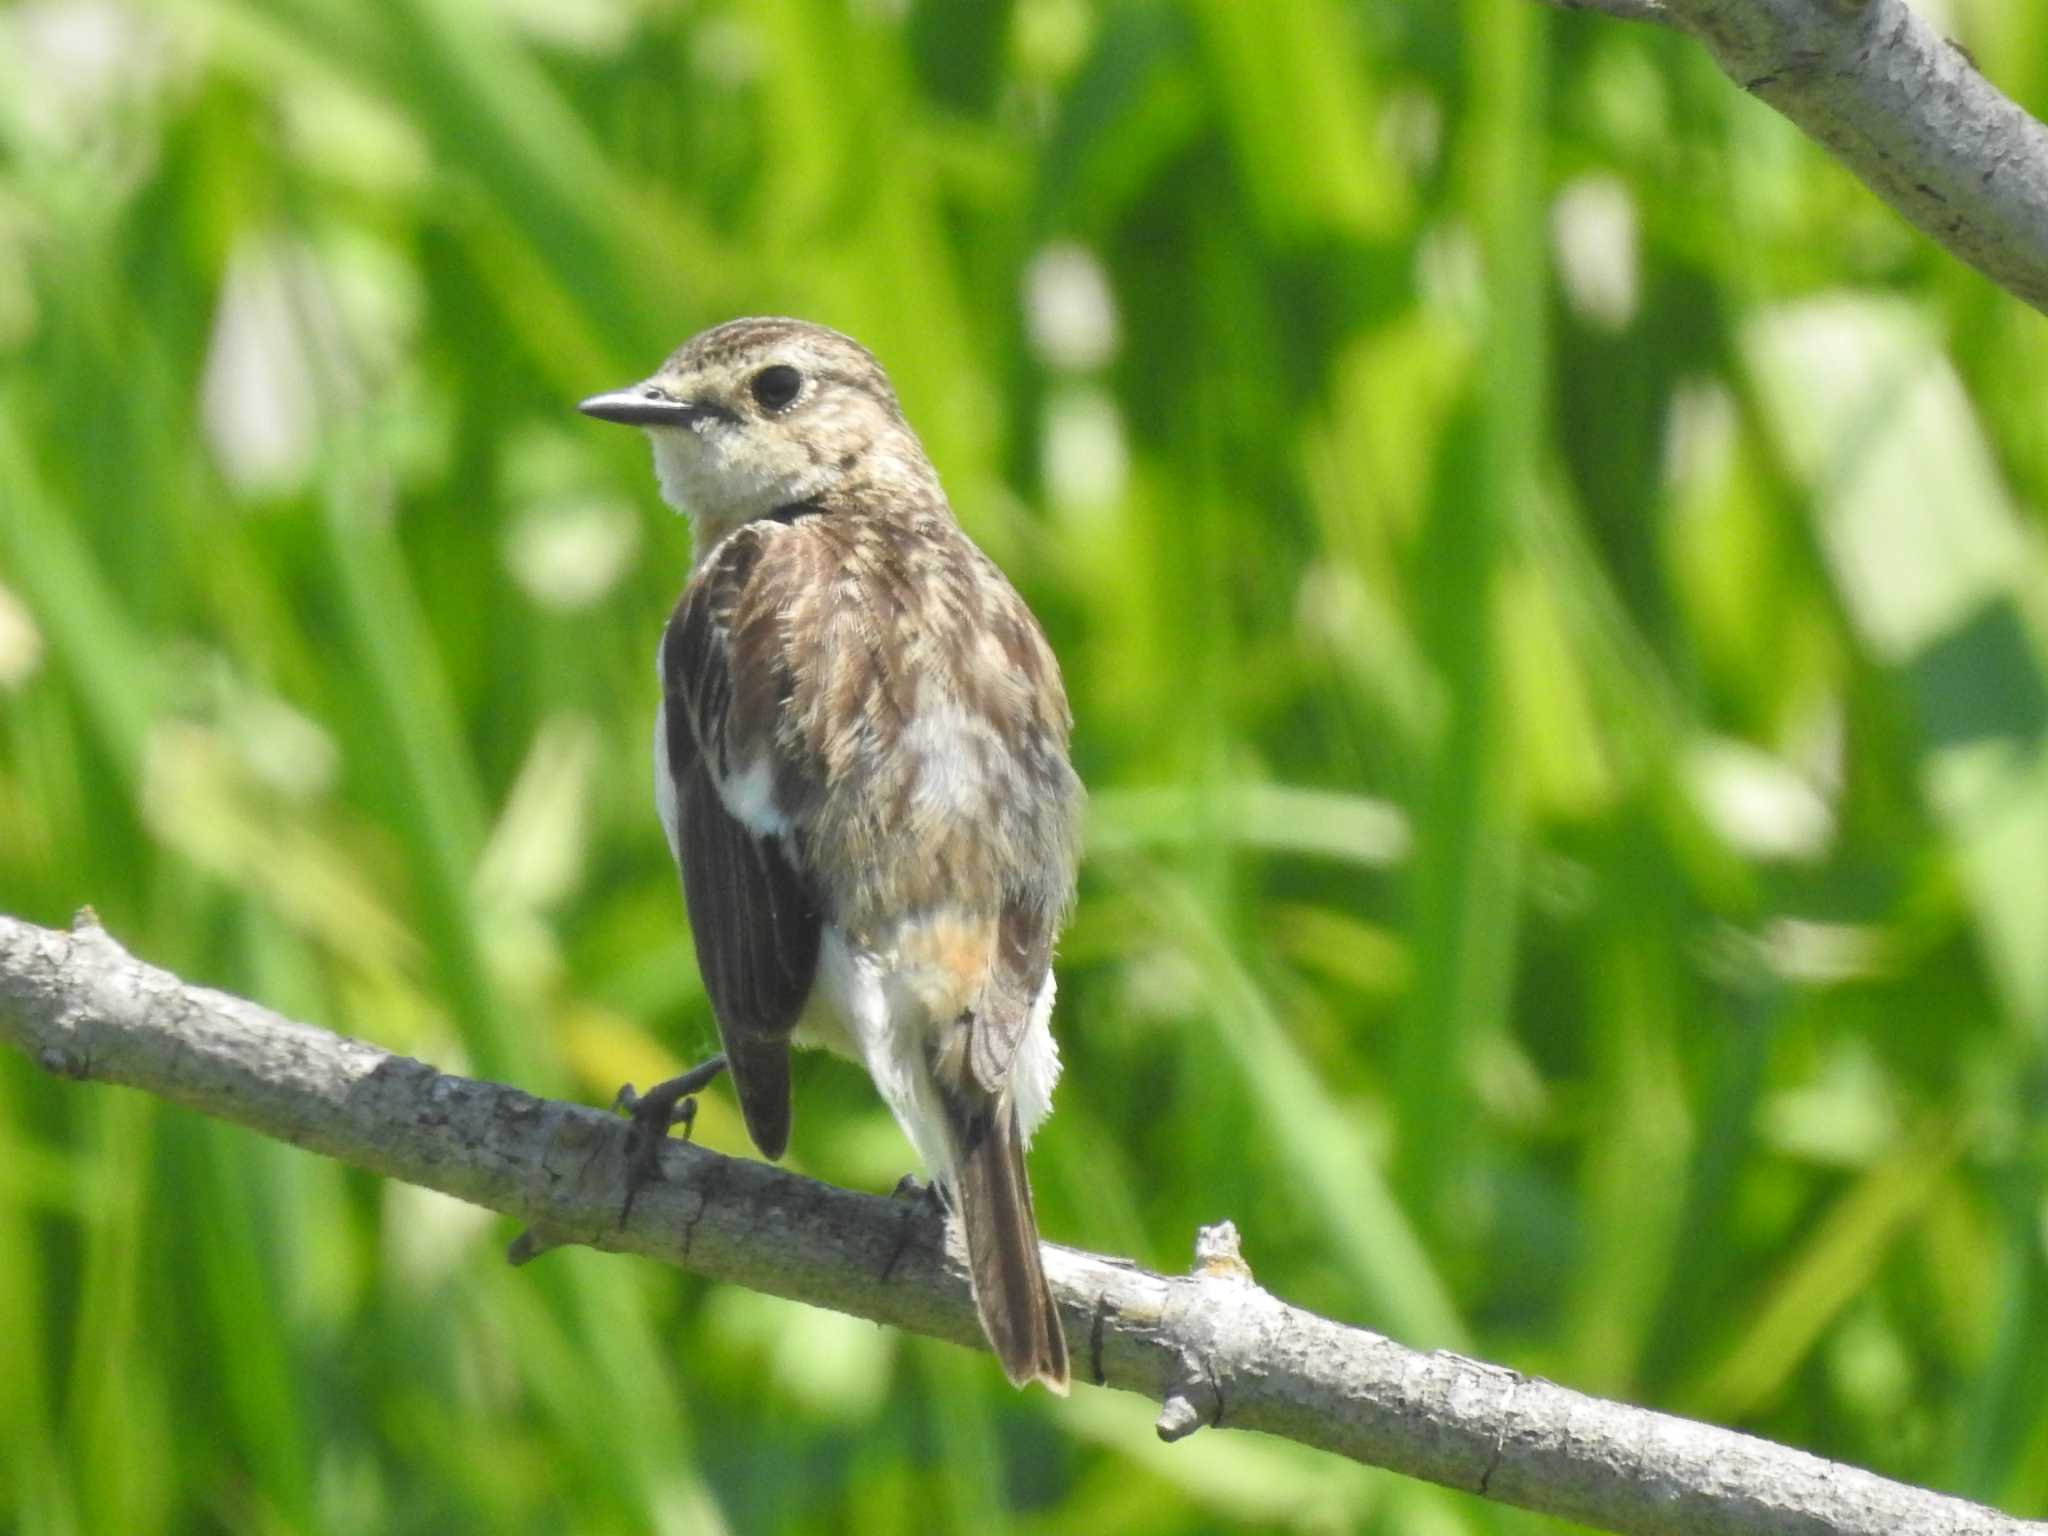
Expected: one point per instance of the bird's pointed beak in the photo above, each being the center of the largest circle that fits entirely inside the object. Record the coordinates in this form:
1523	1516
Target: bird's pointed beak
643	405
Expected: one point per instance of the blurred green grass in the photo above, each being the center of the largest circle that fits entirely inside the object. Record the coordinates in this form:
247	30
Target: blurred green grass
1551	579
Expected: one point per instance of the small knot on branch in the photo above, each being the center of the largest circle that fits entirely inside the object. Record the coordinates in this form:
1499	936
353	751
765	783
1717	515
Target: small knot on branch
535	1241
85	920
1217	1253
58	1062
1192	1401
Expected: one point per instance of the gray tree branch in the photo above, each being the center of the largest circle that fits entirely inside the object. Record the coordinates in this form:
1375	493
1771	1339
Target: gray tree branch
1897	103
1211	1346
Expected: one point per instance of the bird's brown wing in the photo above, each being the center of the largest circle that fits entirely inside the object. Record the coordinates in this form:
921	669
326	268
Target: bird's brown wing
753	911
1030	717
1023	956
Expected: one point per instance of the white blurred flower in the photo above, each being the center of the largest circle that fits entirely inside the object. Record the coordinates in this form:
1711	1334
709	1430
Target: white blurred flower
1699	433
427	1235
726	51
284	749
1593	229
1411	129
536	852
71	64
595	27
21	643
1824	954
1450	274
566	554
1049	39
1085	461
260	394
1069	309
1759	804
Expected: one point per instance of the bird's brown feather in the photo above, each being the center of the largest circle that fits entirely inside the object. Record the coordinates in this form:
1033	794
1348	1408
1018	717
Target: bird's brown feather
1015	1304
753	914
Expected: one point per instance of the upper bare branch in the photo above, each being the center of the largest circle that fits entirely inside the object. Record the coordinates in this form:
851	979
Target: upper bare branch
1897	103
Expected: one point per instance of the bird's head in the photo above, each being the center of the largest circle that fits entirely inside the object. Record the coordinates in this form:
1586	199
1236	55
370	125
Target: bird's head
755	416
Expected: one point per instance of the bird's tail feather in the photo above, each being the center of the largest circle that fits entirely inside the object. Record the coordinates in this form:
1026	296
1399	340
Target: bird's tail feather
994	1196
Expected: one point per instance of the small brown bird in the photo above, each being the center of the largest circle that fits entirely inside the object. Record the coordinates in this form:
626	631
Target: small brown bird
861	763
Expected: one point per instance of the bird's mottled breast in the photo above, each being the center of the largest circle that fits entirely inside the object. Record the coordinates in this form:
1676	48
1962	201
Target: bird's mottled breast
898	704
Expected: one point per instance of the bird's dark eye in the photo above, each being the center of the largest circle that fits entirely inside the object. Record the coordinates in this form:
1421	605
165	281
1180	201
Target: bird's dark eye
775	387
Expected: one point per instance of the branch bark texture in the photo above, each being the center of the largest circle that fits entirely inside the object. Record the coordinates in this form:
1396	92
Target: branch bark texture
1897	103
1211	1346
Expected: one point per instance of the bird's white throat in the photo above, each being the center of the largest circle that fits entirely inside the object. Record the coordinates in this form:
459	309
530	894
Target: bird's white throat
719	477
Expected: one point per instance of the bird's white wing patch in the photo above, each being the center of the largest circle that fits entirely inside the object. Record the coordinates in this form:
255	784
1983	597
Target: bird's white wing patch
749	796
665	785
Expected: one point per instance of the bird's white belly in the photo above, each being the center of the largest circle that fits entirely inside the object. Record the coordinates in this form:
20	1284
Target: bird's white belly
862	1009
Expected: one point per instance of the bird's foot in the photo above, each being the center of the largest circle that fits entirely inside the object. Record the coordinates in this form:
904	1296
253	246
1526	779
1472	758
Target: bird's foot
652	1115
924	1201
929	1195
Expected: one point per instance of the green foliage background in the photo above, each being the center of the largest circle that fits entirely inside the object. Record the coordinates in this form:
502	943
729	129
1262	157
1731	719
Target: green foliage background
1551	577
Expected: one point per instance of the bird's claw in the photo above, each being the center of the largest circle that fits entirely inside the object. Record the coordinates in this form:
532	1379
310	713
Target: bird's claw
651	1116
923	1201
927	1195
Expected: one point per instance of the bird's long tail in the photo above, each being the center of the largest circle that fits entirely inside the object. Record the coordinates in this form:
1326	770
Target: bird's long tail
994	1196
